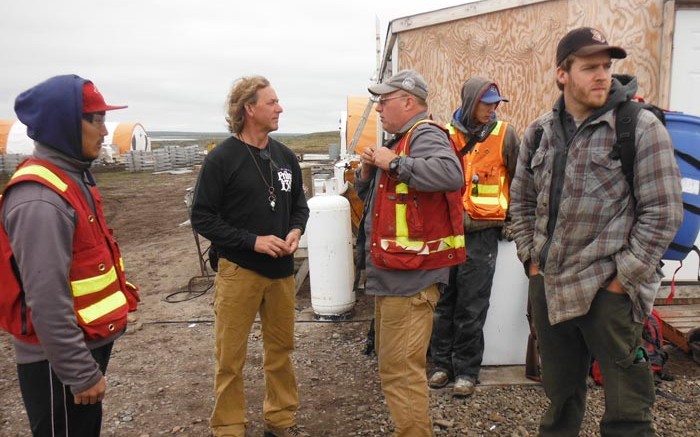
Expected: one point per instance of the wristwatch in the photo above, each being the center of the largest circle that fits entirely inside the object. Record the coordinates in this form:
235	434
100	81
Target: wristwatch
394	166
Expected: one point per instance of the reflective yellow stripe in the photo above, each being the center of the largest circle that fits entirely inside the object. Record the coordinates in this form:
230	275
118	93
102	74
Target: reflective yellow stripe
86	286
488	189
103	307
485	200
403	240
400	211
401	221
504	201
496	130
42	172
406	243
121	263
451	242
491	189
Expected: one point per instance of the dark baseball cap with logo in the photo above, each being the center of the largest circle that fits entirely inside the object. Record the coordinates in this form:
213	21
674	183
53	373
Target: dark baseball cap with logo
586	41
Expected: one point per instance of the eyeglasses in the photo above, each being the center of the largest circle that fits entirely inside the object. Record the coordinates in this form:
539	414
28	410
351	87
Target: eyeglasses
382	100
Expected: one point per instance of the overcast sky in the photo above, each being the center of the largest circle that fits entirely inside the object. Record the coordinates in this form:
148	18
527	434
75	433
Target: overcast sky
173	61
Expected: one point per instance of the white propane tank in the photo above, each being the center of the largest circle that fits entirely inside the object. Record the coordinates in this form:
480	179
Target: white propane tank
331	270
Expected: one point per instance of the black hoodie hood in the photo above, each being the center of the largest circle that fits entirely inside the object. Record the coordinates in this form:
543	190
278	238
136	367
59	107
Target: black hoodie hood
52	112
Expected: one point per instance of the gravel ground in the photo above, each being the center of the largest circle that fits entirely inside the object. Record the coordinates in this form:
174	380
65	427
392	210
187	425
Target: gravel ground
165	388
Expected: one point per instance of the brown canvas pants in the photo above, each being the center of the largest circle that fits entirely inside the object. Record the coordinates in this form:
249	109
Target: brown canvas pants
403	328
239	295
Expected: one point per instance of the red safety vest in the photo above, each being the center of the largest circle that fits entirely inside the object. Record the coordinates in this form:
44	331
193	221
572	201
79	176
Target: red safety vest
416	230
101	295
486	196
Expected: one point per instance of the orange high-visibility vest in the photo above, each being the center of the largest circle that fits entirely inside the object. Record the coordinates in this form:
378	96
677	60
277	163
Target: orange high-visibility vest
485	174
101	295
415	230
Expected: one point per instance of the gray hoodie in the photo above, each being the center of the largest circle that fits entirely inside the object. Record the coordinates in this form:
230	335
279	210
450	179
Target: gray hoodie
40	225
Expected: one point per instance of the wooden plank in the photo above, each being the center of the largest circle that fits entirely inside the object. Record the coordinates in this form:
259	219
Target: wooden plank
661	301
459	12
301	275
676	337
675	310
685	321
665	61
677	321
686	293
682	326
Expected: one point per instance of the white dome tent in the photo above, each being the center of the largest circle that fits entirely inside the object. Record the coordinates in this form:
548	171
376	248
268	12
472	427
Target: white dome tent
123	137
17	140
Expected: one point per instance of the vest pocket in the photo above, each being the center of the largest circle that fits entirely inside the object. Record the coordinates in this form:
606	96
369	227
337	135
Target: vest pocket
403	216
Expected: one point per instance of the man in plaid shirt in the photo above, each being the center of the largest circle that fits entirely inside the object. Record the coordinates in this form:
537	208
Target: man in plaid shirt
590	242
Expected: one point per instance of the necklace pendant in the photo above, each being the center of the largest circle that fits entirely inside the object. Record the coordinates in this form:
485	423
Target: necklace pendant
272	204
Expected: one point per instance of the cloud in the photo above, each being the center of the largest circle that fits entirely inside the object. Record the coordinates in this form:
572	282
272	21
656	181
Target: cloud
173	61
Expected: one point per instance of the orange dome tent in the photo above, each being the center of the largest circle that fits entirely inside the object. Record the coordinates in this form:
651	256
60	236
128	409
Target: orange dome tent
5	126
127	137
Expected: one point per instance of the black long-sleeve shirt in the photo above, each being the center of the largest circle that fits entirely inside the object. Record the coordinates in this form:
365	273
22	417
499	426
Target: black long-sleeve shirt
231	203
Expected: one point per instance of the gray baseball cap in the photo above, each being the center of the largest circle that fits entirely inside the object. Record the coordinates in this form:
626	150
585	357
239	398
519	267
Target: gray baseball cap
408	80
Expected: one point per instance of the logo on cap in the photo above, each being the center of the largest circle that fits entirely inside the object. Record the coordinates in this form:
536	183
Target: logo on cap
598	36
408	84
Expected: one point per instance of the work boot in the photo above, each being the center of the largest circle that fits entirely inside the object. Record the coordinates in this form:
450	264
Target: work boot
439	379
292	431
464	386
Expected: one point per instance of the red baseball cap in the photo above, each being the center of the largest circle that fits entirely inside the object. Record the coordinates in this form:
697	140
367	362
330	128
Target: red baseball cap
93	100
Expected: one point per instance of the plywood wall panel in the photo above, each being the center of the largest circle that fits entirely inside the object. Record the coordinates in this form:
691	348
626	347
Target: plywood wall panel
516	48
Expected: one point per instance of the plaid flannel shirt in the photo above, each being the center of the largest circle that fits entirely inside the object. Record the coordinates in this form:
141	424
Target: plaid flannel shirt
602	229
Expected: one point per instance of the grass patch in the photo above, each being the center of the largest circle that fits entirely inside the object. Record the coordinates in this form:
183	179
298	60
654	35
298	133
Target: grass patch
316	142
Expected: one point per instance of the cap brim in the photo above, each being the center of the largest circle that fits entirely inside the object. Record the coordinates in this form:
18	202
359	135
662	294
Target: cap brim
381	89
494	99
111	108
615	52
104	108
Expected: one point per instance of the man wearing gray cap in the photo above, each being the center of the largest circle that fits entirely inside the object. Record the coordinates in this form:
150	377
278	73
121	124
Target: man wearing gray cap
591	241
411	234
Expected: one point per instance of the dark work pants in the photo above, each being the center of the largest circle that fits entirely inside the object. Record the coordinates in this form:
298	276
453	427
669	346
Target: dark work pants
457	343
49	403
609	333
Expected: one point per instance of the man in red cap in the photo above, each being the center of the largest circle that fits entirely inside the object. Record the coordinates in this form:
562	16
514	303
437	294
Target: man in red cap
590	242
66	269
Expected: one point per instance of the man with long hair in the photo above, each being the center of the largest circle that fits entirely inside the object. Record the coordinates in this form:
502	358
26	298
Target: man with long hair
249	202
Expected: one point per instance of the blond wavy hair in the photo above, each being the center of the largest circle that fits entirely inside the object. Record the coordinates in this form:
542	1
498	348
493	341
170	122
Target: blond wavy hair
244	91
